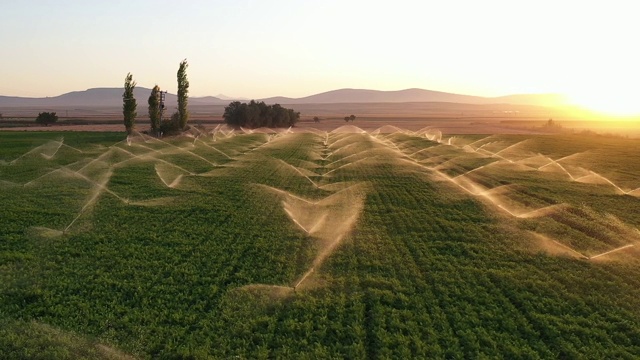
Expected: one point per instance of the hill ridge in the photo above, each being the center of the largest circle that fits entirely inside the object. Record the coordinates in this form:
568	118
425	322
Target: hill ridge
106	96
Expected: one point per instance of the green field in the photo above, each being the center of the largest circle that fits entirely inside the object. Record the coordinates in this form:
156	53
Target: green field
346	244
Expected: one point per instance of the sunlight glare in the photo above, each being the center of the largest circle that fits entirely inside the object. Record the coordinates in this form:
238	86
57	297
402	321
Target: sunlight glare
611	103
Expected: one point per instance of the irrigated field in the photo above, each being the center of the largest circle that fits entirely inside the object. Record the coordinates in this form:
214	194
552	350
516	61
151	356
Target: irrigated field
342	244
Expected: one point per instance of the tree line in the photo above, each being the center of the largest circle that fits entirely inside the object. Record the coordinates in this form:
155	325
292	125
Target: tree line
178	120
258	114
252	115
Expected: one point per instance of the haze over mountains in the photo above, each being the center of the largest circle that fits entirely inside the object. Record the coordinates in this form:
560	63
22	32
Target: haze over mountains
415	95
107	97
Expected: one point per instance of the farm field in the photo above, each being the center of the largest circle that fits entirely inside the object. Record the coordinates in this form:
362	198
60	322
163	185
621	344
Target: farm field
385	243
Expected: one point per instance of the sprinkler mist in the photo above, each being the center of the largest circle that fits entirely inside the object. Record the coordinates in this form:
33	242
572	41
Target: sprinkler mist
612	251
327	221
170	176
99	188
186	152
47	151
554	247
213	148
304	174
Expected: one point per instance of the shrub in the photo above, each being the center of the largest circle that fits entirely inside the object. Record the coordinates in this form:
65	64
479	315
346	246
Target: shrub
46	118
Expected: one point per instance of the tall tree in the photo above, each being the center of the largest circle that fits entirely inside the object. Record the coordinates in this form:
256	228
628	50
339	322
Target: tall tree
183	91
155	112
129	104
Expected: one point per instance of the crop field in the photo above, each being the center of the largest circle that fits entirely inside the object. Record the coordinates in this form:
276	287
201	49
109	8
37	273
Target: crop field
319	244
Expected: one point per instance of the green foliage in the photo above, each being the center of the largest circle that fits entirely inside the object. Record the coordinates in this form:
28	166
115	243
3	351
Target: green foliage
258	114
46	118
35	340
155	112
183	94
129	103
171	126
428	271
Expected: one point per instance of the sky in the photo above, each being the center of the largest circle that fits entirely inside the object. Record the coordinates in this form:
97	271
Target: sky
586	50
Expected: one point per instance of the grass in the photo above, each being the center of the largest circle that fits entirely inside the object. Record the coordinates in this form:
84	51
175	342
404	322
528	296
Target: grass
100	258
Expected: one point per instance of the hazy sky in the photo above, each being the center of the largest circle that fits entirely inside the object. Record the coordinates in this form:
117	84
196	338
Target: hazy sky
588	50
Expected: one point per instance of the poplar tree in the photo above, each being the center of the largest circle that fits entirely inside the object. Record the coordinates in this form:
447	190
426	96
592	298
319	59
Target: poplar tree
129	104
183	90
155	113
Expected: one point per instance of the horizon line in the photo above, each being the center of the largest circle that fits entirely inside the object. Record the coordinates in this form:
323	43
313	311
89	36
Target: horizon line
301	97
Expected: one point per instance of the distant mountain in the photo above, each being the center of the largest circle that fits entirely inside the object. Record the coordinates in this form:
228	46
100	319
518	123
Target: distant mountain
230	98
375	96
96	97
415	95
109	97
287	100
204	100
101	97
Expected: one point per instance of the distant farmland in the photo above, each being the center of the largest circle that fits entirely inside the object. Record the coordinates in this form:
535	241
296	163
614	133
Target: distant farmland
386	243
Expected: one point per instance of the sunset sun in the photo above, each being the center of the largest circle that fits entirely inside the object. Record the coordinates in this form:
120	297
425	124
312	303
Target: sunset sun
609	103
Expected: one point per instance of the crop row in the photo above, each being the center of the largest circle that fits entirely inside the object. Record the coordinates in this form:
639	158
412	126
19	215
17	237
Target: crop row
206	267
